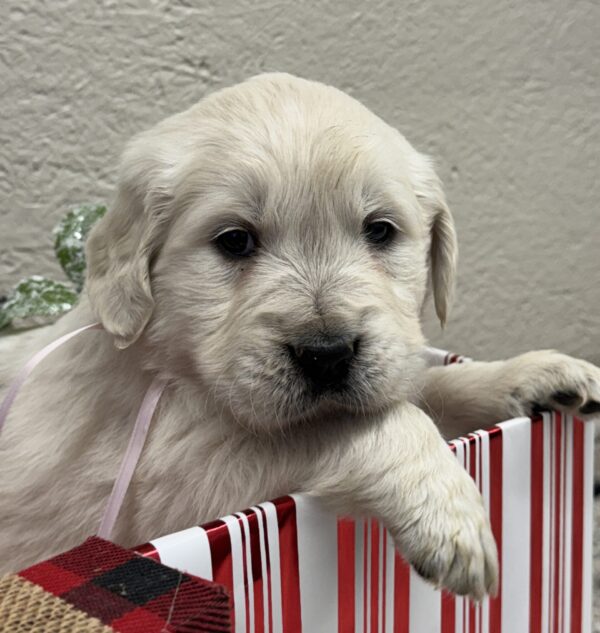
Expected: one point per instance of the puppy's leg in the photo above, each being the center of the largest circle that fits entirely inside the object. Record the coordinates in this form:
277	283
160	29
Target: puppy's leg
401	471
464	397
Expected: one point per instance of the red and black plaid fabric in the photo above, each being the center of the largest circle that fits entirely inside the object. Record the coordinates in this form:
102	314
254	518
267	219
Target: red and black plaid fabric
132	594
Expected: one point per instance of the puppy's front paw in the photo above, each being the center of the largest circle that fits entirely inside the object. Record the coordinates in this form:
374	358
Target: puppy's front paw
448	540
549	380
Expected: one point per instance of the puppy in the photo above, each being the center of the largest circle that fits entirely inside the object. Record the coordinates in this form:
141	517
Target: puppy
268	253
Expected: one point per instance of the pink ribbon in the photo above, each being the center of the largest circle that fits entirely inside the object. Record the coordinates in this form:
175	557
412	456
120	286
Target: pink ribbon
17	383
136	441
131	458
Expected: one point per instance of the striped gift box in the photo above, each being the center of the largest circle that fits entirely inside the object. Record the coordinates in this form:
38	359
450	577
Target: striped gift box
292	566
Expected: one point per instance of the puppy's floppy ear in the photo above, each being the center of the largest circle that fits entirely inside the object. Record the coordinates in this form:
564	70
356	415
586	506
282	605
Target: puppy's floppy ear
122	245
443	254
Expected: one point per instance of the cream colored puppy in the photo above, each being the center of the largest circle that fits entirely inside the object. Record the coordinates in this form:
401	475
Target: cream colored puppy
268	252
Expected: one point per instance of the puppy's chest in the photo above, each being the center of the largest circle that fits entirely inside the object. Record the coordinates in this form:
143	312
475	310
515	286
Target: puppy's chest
203	474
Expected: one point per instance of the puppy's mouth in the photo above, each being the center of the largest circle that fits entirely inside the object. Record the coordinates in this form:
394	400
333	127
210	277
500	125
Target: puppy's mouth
329	402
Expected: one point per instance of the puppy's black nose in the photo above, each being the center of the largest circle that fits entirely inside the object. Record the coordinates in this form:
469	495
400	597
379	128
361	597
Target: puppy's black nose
325	360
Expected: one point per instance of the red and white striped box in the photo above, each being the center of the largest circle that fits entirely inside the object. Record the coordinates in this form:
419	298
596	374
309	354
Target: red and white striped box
291	566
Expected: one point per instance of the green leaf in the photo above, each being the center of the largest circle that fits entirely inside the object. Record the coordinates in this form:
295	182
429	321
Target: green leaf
34	298
69	240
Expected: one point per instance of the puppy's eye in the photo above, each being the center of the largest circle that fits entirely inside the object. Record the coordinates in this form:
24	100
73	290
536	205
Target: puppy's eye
237	242
379	232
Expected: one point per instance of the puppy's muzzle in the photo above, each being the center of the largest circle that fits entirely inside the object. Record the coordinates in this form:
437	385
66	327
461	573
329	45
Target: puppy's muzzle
325	361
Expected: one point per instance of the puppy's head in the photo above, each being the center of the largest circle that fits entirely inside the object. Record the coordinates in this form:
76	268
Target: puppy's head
274	245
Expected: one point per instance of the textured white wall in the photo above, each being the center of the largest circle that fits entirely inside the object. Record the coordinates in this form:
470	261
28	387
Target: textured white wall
505	94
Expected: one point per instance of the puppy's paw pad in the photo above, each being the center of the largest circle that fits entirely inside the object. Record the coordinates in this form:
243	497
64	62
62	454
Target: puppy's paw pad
590	408
567	398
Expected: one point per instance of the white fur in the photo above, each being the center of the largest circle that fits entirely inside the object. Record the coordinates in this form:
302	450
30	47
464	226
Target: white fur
304	164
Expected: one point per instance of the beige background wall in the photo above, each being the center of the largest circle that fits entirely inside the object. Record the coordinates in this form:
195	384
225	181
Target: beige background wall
505	94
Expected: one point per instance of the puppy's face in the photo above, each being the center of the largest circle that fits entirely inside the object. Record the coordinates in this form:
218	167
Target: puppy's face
287	241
